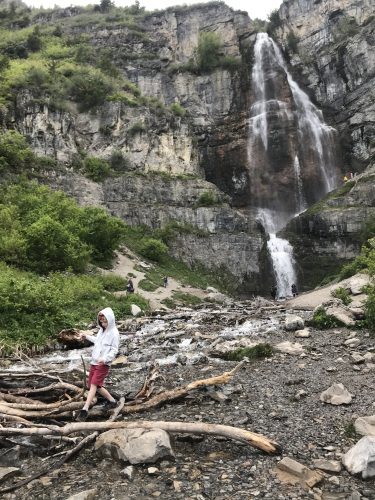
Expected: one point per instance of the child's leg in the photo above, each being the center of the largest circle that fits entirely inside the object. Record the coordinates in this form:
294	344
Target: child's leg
90	396
102	391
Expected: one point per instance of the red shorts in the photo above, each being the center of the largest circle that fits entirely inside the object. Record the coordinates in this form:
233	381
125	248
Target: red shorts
97	375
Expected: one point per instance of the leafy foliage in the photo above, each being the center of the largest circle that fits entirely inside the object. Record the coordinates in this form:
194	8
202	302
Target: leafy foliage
15	153
342	294
207	199
324	321
96	169
37	308
46	231
153	249
259	351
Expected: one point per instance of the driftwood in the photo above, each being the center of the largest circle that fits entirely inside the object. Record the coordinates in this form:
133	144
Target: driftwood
244	436
85	441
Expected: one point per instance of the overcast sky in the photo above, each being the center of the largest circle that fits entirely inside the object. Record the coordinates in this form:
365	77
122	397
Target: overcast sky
255	8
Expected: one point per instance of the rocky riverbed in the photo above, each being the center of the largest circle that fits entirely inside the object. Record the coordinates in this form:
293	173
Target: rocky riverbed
278	397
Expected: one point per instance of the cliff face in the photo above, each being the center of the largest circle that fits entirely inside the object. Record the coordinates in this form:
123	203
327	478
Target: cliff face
335	57
209	148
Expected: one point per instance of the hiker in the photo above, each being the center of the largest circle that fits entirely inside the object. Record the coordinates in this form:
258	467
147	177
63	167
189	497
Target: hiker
130	286
165	281
294	290
106	344
273	291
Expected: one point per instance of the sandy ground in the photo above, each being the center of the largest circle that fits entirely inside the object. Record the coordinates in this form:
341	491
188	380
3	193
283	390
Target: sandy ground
125	264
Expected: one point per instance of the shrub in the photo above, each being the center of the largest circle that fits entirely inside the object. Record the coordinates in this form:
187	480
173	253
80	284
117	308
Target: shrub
153	249
177	109
342	294
147	285
89	88
118	161
15	153
207	199
324	321
51	247
96	169
113	282
259	351
208	51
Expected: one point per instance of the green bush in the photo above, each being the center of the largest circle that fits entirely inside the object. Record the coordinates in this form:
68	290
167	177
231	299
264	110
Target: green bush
119	162
46	231
208	51
259	351
207	199
136	128
89	88
177	109
37	308
153	249
324	321
113	282
342	294
96	169
274	22
15	153
292	41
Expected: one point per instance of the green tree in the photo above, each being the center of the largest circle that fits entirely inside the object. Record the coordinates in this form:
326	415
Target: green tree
51	247
89	89
153	249
15	153
106	5
96	168
34	41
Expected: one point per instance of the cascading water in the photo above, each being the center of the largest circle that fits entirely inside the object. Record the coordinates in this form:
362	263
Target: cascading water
291	153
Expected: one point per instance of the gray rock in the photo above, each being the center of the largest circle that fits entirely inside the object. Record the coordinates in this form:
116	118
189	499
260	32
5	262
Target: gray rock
327	465
128	472
360	459
8	472
85	495
336	395
365	425
293	322
305	333
135	445
289	348
135	310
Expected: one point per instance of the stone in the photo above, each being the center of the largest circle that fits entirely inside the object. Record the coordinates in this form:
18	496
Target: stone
135	310
305	333
128	472
353	342
342	314
152	471
360	459
336	395
8	472
85	495
290	348
365	425
357	358
293	322
327	465
304	475
135	445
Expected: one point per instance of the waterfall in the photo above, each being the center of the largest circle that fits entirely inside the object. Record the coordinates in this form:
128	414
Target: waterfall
290	153
300	199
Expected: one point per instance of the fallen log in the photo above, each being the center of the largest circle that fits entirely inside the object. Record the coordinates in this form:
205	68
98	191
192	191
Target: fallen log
235	433
84	442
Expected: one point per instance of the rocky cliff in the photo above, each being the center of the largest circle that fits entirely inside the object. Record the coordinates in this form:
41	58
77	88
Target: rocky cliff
205	148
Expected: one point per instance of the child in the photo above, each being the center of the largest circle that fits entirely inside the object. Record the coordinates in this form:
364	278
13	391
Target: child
106	345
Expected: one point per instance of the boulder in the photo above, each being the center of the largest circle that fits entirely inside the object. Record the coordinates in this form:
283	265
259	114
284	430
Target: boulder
357	282
137	446
327	465
360	459
342	314
365	425
70	338
336	395
293	322
305	333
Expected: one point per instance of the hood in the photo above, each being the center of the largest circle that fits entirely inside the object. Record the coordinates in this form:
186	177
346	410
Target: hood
110	315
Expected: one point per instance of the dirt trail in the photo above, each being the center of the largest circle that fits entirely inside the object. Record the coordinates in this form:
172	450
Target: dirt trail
127	262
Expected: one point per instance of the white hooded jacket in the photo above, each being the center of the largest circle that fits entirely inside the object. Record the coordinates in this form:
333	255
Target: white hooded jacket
106	342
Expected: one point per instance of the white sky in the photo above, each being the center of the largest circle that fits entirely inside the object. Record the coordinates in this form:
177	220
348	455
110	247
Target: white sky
255	8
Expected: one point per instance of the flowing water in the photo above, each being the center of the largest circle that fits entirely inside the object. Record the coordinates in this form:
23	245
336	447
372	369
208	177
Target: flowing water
286	107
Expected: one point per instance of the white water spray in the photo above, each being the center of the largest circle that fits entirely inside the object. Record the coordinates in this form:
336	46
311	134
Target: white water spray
300	198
